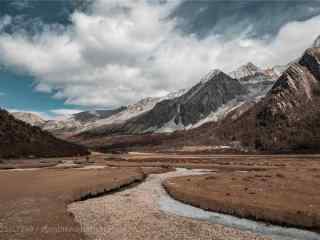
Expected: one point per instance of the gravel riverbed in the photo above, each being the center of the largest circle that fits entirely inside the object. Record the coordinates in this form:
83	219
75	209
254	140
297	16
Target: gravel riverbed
135	213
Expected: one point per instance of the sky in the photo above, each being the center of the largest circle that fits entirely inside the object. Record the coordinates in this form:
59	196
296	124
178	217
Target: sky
62	57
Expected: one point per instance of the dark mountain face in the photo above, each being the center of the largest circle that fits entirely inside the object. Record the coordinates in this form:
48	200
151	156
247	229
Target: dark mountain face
89	116
19	139
287	119
204	98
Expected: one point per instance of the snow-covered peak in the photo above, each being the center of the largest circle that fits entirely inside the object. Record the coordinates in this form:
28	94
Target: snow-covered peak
132	110
246	70
175	94
211	74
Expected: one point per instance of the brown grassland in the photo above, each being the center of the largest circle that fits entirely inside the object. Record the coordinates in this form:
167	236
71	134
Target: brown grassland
34	203
280	189
287	195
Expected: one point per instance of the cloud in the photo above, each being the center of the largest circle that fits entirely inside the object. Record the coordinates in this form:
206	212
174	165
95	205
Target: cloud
54	114
2	94
5	21
65	112
126	50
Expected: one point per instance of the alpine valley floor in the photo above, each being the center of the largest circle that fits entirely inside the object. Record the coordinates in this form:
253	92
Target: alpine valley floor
41	201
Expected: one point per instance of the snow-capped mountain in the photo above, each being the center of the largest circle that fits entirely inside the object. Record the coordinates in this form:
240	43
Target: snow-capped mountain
213	98
132	111
213	91
87	120
94	115
256	81
31	118
287	119
211	74
247	70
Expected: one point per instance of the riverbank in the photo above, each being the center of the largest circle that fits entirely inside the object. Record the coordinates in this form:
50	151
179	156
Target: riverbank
285	196
135	213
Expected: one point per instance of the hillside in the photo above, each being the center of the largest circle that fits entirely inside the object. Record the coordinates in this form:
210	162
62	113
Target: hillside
19	139
287	119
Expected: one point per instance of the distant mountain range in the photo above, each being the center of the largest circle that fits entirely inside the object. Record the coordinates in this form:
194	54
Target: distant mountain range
209	100
272	109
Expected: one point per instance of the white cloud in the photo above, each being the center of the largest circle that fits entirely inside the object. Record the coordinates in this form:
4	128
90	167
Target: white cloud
54	114
65	112
125	50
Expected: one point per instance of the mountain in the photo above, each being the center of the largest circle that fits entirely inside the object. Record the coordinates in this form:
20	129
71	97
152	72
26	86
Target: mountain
287	119
19	139
90	116
257	81
31	118
213	91
87	120
210	100
247	70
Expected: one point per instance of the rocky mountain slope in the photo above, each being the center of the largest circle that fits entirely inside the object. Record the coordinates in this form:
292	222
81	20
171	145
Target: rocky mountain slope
245	71
90	116
76	122
87	120
31	118
19	139
287	119
185	113
214	90
208	101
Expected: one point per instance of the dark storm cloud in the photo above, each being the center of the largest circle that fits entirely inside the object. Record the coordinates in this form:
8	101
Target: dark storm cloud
261	18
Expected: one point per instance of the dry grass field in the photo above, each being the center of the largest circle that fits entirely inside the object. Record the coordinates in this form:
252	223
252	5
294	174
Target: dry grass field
286	195
34	203
281	189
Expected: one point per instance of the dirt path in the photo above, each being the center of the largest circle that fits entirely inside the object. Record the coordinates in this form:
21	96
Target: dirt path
135	214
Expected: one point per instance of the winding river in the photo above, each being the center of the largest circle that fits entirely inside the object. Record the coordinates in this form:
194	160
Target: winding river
146	211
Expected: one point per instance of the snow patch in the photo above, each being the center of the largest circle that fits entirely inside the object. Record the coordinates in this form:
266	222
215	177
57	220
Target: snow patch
210	75
170	126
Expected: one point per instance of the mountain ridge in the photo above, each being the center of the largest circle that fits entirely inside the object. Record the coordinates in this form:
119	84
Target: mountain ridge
19	139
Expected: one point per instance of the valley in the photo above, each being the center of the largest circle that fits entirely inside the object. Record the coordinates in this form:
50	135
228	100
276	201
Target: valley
159	120
212	182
